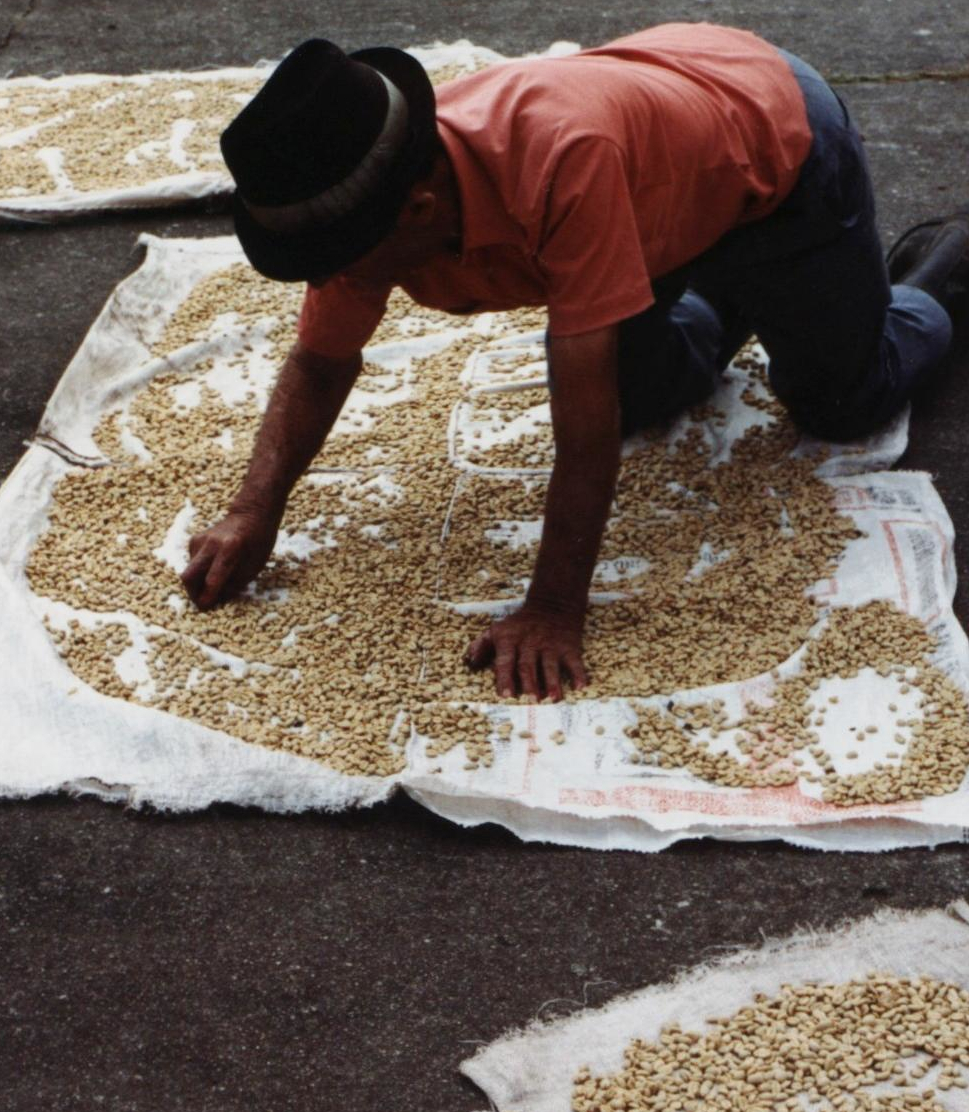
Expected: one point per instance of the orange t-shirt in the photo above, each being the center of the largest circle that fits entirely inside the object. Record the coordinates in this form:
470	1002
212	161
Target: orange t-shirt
584	177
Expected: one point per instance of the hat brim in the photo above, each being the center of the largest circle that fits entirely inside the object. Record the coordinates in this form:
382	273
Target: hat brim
314	255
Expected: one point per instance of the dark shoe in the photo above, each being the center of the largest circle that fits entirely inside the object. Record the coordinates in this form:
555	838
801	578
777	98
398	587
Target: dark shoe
906	250
934	256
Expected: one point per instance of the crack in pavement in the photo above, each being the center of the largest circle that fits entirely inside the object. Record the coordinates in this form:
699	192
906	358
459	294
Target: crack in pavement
897	77
16	24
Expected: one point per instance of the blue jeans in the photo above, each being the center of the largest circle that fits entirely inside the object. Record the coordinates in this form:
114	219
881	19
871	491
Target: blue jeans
846	349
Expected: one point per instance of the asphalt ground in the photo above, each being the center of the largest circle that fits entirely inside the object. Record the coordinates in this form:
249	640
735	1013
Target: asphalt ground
229	960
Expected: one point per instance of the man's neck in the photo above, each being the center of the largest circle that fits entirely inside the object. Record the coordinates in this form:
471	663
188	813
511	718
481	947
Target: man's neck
449	205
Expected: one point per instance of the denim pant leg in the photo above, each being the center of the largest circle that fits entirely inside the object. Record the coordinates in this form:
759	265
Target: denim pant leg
667	359
865	351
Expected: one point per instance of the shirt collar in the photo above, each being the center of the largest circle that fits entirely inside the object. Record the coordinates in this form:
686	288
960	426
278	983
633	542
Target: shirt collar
485	221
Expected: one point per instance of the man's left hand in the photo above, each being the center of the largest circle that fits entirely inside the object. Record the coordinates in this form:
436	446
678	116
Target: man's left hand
534	652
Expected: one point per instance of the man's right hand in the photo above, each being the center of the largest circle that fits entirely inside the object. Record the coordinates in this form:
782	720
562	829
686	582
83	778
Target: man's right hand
307	398
224	558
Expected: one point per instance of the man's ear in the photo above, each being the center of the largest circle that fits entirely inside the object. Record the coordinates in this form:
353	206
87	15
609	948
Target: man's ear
419	208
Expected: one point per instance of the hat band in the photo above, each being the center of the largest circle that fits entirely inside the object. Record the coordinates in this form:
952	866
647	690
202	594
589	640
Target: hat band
341	199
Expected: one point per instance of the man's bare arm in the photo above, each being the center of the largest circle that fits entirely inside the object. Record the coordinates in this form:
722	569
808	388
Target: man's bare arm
535	649
306	401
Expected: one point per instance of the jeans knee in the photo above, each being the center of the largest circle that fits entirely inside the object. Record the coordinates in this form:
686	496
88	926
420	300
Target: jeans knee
838	408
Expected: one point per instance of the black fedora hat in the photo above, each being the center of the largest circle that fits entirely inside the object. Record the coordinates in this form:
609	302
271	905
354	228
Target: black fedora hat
325	154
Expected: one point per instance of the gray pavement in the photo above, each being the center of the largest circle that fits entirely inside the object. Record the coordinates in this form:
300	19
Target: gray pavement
232	961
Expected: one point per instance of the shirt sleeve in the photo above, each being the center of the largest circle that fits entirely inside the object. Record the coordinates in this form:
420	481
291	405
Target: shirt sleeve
591	252
338	318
